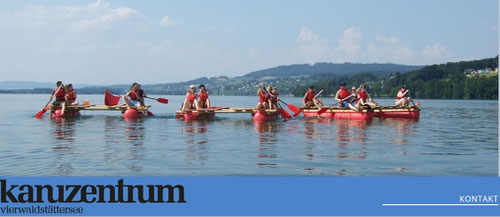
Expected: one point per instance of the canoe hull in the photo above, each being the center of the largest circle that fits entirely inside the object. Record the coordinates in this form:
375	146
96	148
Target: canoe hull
264	116
133	114
67	114
340	114
395	112
195	115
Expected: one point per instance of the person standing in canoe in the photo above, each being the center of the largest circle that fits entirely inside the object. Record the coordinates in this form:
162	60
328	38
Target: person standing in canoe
344	97
70	98
364	98
310	100
190	102
263	98
59	93
134	97
203	101
403	98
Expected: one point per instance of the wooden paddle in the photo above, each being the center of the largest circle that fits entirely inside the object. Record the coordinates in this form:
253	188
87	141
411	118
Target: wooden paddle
160	100
324	109
40	113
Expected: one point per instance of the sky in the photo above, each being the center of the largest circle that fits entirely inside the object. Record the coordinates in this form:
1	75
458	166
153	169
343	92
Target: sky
119	42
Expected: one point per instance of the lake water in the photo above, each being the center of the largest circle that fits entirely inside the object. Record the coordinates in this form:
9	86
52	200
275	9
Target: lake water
452	138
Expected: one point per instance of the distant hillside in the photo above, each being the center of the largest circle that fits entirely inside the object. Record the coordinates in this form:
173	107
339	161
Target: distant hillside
330	68
440	81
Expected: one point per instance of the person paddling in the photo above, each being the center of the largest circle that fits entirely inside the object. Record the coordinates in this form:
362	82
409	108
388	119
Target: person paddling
364	98
344	97
134	97
274	97
310	100
403	98
263	98
203	101
190	102
59	93
70	97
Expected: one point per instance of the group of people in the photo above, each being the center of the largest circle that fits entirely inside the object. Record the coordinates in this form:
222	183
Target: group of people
65	95
353	99
268	97
196	100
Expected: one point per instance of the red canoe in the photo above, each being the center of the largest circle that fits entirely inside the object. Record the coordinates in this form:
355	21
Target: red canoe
340	113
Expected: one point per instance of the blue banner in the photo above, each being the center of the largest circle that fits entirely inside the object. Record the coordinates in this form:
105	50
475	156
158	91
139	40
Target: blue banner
249	196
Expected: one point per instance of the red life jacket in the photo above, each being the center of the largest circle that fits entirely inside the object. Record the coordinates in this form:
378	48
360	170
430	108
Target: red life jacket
310	95
136	95
191	97
363	95
203	95
72	95
344	93
263	97
401	91
275	97
60	94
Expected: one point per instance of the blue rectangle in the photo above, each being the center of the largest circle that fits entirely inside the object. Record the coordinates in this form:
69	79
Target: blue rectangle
291	196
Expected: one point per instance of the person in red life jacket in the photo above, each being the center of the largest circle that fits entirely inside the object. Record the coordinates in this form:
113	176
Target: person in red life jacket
403	98
70	98
274	97
59	93
364	98
311	100
345	98
190	102
134	97
264	98
203	101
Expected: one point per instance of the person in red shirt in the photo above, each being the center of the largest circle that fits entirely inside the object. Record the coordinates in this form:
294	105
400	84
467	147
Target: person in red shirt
59	93
190	102
364	98
310	99
403	98
203	100
70	98
134	97
274	97
264	98
345	98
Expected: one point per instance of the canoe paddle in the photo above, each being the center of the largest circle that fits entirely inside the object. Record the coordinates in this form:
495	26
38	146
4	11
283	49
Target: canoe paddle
40	113
160	100
292	108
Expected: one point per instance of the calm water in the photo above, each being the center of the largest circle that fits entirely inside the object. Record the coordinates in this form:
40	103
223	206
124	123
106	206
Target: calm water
452	138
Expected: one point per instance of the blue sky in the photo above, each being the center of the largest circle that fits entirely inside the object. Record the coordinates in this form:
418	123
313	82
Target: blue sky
111	42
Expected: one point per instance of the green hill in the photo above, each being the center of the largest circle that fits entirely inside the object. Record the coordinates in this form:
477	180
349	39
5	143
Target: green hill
440	81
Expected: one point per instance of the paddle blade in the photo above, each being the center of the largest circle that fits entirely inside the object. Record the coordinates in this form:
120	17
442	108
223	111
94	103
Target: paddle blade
177	116
150	114
284	113
293	108
162	100
323	110
297	113
40	113
418	104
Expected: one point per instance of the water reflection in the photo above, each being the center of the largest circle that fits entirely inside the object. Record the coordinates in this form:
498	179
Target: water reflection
267	132
63	131
135	135
195	135
351	137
